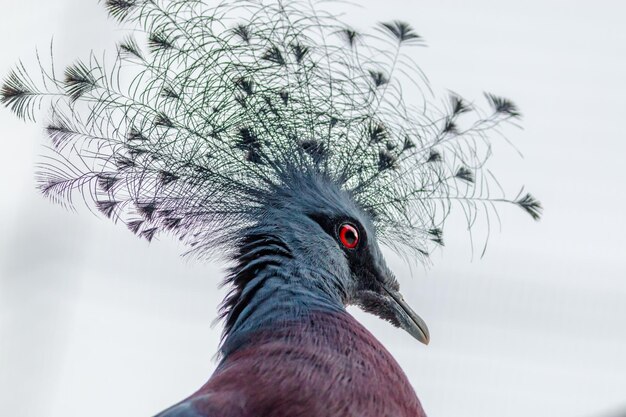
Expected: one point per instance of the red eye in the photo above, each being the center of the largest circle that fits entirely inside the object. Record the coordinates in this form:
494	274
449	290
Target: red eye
349	236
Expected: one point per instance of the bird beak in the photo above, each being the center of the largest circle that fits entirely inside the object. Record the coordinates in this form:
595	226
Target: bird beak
407	318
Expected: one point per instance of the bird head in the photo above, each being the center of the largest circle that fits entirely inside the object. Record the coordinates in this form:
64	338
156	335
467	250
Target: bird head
327	231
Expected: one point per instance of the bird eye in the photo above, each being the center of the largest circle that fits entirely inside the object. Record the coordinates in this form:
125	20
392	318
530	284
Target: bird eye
349	236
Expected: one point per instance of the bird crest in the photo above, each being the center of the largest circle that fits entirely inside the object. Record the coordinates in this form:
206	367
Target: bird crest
207	113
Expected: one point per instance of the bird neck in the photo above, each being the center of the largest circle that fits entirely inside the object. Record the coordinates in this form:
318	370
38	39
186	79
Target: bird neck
277	292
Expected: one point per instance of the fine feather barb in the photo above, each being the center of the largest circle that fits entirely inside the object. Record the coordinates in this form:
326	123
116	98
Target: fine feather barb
215	105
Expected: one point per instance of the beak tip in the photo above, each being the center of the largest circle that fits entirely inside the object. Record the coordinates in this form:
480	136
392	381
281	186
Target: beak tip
424	337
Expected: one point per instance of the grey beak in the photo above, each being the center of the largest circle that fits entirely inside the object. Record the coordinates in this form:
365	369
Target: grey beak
408	319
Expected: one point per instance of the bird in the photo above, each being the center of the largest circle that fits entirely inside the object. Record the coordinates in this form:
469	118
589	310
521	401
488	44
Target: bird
276	137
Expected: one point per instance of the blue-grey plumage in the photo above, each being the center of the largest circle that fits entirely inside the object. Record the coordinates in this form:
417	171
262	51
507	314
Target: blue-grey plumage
277	137
297	237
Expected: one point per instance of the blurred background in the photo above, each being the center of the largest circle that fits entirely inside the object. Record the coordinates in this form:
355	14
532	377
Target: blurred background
94	321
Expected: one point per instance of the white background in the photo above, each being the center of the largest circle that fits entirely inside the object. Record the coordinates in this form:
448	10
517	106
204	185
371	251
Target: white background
96	322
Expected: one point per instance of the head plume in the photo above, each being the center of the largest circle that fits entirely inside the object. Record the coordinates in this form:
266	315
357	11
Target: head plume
207	112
